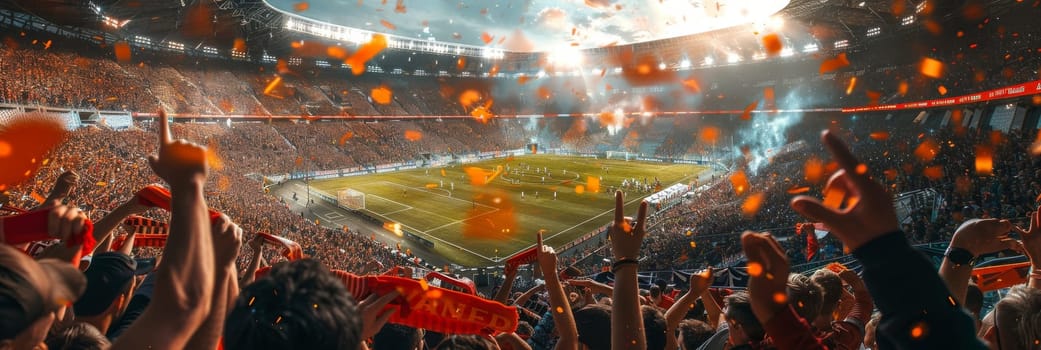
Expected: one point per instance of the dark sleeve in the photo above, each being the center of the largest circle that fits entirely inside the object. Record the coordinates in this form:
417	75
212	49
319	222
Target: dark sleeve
918	312
136	307
789	331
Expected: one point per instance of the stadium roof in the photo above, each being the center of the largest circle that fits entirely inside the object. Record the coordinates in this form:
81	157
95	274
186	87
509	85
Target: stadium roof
537	25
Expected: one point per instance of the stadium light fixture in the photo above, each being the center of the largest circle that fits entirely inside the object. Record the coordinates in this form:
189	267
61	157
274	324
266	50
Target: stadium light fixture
662	66
874	31
758	56
685	63
907	20
733	58
567	57
810	48
787	52
841	44
776	23
709	61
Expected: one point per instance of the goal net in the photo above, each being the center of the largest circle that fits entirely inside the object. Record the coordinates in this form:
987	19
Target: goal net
351	199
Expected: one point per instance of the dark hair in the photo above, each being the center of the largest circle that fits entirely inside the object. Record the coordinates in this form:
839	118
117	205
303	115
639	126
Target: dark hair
739	310
655	291
593	323
524	328
297	305
654	327
831	288
804	296
395	337
79	336
695	333
465	342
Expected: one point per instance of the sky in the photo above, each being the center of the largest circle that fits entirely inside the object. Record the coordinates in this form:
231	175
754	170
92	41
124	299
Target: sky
536	25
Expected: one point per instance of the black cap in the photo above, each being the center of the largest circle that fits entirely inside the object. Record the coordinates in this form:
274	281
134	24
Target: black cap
109	275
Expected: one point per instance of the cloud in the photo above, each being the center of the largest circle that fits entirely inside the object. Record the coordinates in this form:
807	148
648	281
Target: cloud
598	3
553	18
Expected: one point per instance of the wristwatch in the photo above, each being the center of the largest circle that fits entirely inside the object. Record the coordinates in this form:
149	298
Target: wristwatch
960	256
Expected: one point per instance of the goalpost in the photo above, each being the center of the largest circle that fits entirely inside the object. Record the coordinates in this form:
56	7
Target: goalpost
351	199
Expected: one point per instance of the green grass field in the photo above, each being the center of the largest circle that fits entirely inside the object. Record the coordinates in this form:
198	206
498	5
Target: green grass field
473	223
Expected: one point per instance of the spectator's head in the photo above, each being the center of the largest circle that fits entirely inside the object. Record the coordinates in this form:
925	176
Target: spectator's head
831	286
79	336
110	280
466	342
1016	319
654	327
693	333
593	323
524	330
395	337
30	294
297	305
805	296
744	327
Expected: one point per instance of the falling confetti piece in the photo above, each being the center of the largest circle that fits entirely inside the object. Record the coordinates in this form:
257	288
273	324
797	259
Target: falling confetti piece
780	298
301	6
747	114
37	197
918	330
830	65
381	95
212	158
24	139
798	190
487	38
400	7
902	89
580	189
752	204
813	170
755	269
272	85
772	44
927	150
851	86
934	172
931	68
469	98
122	50
388	25
523	79
942	90
880	135
836	267
365	53
413	135
346	136
861	169
709	134
239	45
833	197
740	182
691	85
984	160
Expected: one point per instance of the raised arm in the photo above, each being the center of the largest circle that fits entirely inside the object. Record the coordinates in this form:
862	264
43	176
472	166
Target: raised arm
103	228
185	279
1032	248
768	270
712	307
563	319
62	189
504	291
699	283
903	283
257	244
972	239
626	320
227	238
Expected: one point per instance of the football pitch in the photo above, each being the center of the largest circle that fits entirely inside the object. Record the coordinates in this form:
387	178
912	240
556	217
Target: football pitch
479	212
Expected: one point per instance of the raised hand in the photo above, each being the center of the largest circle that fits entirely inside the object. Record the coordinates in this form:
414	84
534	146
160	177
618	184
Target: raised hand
546	257
626	239
373	313
62	188
871	213
984	236
179	162
699	282
767	274
227	239
64	221
1032	239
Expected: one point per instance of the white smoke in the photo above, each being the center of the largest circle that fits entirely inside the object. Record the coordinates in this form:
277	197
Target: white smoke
768	132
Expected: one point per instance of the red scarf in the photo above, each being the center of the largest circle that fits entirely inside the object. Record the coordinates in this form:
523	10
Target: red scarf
158	197
291	250
32	226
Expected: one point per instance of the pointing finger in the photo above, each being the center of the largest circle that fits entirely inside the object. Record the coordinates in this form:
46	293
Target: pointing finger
619	211
164	128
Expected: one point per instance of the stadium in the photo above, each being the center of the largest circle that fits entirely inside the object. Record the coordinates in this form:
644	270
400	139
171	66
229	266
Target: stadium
500	152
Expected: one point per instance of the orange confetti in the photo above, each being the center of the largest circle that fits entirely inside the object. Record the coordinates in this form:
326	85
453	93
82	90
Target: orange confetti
780	298
984	160
934	172
798	190
942	90
927	150
494	71
833	64
366	52
487	38
346	136
880	135
593	184
382	95
852	84
580	189
239	45
469	97
460	63
24	139
755	269
443	172
693	245
919	330
272	85
772	44
747	114
836	267
833	197
301	6
37	197
931	68
431	185
399	8
523	79
122	49
691	85
413	135
813	170
388	25
709	134
902	89
101	184
740	182
752	204
861	169
47	44
336	52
